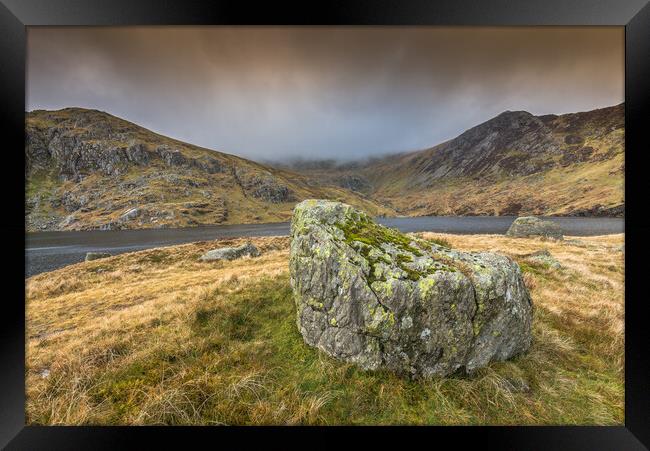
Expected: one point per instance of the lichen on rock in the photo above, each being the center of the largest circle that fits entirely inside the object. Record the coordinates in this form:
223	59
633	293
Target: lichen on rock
526	226
382	299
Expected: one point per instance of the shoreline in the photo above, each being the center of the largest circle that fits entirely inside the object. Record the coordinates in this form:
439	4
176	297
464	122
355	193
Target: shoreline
244	224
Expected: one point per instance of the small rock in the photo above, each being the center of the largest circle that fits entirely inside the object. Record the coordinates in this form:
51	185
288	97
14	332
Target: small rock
109	226
526	226
573	139
130	214
67	221
90	256
231	253
545	258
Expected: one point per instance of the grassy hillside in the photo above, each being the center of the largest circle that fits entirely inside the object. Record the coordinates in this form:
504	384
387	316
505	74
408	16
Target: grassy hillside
513	164
157	337
89	170
591	189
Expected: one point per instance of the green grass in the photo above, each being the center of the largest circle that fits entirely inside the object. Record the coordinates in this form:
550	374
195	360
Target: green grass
243	361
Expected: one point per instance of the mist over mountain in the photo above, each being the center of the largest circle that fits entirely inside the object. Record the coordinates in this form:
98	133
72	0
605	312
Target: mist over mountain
322	92
87	169
514	163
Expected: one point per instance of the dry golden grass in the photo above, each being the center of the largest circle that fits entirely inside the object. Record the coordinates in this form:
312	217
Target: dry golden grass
157	337
558	191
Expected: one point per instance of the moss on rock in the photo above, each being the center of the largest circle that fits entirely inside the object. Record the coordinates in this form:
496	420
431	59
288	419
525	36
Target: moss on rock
400	302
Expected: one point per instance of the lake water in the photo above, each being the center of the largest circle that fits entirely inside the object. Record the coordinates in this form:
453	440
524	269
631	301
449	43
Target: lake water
46	251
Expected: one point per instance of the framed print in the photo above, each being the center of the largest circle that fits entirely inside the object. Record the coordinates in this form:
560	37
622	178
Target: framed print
360	214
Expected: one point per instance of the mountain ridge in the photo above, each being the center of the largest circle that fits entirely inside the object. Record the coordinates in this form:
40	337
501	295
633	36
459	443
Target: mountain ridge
514	163
87	169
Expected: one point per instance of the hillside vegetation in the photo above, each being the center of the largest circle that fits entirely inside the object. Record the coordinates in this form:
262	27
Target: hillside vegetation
513	164
158	337
86	169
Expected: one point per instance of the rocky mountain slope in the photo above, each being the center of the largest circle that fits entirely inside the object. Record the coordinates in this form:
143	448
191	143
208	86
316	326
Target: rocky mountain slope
86	169
513	164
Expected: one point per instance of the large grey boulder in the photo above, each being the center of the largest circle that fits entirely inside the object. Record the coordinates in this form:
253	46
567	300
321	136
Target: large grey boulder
526	226
381	299
231	253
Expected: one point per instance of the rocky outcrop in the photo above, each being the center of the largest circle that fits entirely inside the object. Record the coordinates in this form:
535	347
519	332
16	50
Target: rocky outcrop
381	299
90	256
209	165
353	182
527	226
599	210
130	214
138	154
87	142
512	164
519	143
263	186
88	170
171	157
231	253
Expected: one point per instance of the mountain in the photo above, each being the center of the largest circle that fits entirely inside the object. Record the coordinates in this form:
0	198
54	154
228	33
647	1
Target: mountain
513	164
86	169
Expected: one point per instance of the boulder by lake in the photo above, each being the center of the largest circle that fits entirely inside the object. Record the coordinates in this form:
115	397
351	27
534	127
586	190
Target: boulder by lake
526	226
382	299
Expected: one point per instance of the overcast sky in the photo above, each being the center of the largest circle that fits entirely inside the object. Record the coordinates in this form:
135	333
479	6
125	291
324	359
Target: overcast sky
322	92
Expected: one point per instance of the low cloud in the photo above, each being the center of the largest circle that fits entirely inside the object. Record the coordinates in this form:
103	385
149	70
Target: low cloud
274	93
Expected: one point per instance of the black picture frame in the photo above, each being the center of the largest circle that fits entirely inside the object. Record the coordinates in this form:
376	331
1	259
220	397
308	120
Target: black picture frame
16	15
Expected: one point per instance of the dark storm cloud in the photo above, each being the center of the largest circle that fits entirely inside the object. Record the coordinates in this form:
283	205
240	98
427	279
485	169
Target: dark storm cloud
275	93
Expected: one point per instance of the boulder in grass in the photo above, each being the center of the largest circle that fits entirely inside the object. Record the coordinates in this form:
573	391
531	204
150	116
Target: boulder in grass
231	253
545	258
90	256
385	300
527	226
